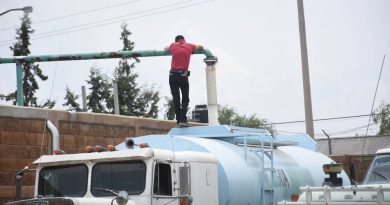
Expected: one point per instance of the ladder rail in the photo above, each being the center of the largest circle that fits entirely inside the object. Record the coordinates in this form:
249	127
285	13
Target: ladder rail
266	149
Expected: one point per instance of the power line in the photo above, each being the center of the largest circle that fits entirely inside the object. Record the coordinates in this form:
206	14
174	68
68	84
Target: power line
350	130
373	102
290	132
36	36
331	133
323	119
75	14
43	35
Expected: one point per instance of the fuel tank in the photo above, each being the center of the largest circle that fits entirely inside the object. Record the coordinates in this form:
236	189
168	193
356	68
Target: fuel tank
254	167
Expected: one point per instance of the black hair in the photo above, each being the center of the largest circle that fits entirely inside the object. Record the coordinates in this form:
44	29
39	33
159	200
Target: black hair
178	37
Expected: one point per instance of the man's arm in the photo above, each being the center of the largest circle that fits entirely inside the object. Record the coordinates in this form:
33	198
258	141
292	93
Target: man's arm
166	49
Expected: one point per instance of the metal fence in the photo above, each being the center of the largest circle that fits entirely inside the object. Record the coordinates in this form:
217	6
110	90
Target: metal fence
353	145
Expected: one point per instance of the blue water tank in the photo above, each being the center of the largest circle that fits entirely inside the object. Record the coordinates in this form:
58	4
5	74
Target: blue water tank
245	157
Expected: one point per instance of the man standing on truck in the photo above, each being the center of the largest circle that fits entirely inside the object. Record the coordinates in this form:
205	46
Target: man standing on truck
178	76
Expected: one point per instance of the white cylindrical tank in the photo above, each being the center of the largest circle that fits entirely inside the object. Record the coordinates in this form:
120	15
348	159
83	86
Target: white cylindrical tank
244	173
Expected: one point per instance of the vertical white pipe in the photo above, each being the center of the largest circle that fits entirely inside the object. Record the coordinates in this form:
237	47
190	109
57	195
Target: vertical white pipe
116	98
84	98
212	104
54	134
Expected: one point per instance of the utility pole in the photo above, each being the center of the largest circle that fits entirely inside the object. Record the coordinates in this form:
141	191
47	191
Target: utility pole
305	71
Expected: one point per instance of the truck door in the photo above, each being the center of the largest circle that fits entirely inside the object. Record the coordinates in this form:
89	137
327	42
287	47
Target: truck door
163	184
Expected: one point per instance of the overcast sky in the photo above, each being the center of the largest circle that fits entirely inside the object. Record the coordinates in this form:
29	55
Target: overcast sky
256	42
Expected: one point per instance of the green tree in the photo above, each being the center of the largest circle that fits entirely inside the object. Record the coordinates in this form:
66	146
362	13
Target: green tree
30	71
229	116
149	99
71	98
133	100
100	91
48	104
383	118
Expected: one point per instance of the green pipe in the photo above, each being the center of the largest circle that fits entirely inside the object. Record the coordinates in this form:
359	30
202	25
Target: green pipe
87	56
19	84
209	60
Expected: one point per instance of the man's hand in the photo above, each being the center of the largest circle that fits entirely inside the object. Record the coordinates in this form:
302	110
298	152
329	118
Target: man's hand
166	49
199	47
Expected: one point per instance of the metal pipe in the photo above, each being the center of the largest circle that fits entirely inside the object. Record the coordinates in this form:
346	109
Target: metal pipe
18	187
19	84
10	11
54	135
102	55
263	173
245	149
84	98
116	98
210	61
211	84
329	142
26	9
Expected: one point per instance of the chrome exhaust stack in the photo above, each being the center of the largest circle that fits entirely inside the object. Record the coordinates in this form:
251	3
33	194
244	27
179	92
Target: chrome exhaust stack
54	135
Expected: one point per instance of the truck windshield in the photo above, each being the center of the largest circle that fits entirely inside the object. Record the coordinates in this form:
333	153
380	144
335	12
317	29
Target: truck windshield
379	171
127	176
60	181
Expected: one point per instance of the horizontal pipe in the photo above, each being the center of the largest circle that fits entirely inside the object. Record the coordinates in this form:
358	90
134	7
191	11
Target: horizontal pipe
102	55
372	188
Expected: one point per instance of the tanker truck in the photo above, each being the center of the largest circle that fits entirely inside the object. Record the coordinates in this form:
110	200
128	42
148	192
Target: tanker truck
202	165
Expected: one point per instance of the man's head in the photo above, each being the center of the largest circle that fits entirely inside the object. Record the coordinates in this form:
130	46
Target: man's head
178	38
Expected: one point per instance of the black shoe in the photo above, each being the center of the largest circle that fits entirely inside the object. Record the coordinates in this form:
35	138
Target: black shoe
184	124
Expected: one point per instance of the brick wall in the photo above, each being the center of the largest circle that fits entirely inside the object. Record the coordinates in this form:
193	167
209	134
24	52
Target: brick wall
20	141
23	138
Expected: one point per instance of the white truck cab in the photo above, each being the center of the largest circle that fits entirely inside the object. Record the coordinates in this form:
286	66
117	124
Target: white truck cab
134	176
379	171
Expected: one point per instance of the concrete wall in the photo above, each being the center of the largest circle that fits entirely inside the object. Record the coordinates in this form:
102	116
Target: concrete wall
23	138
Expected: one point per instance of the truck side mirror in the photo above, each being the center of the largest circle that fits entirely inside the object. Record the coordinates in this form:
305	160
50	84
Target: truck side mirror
122	197
333	169
185	185
185	180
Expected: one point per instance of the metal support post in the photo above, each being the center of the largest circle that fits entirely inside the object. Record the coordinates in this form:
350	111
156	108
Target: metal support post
84	98
263	173
245	148
116	98
271	157
19	84
18	188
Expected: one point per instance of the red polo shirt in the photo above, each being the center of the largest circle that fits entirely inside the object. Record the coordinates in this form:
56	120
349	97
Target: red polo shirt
181	54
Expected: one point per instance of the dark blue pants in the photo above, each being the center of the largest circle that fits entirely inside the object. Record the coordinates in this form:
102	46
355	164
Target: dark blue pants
179	83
